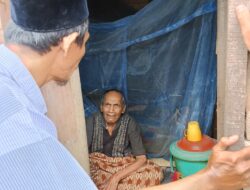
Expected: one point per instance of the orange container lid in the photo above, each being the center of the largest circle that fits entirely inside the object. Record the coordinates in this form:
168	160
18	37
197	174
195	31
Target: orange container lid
205	144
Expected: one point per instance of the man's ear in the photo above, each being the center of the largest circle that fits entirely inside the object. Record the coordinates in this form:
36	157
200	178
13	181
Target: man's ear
86	37
124	109
67	41
101	108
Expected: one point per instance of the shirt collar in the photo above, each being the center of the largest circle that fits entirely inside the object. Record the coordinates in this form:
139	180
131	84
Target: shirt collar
23	78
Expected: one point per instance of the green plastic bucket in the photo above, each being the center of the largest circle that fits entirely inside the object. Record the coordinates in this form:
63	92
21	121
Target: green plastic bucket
186	162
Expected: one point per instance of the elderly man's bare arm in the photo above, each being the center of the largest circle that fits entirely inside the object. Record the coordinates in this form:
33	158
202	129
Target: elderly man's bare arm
226	170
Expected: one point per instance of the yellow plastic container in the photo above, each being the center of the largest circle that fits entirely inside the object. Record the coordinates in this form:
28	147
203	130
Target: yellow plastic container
193	132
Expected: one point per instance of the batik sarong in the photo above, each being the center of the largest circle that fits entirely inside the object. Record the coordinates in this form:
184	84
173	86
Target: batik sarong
103	167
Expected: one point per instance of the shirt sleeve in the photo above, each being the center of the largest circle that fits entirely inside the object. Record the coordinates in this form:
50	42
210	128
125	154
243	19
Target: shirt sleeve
31	158
135	139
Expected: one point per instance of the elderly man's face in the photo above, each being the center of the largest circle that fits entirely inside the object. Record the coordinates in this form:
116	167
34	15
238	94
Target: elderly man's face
112	107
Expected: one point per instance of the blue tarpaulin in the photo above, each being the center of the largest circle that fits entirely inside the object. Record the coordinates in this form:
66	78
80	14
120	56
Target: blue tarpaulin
163	59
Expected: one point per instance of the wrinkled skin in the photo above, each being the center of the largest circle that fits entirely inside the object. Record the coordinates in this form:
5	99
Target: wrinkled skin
229	170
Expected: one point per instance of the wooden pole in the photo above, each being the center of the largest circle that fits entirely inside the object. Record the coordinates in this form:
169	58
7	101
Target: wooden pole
4	16
232	72
248	95
221	62
65	108
248	101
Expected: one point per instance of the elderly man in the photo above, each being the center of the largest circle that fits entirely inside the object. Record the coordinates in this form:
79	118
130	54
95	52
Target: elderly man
114	142
45	41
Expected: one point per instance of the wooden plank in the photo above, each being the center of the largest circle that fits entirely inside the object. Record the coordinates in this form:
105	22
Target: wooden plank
4	16
248	95
221	62
236	67
248	100
65	108
232	97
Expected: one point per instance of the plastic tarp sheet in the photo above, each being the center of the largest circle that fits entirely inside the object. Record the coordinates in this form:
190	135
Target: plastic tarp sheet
163	59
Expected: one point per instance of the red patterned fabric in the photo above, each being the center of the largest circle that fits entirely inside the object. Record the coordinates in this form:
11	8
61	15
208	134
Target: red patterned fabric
103	167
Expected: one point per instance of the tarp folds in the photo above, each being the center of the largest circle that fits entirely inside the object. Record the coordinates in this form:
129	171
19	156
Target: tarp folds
163	59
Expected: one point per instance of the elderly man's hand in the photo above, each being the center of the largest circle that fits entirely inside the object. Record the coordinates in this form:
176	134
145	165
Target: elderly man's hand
229	169
243	16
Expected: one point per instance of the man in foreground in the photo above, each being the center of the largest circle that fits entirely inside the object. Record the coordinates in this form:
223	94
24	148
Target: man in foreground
45	41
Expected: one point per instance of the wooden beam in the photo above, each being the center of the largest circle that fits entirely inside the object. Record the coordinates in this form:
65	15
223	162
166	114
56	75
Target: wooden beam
248	101
248	94
65	108
221	62
4	16
232	72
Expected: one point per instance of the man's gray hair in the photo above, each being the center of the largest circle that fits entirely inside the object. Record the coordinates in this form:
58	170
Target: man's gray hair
42	42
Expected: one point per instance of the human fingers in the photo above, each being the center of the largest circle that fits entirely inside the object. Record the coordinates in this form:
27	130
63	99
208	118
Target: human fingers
225	142
244	154
242	170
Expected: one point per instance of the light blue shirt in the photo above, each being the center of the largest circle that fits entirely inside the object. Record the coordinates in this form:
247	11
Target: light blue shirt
31	157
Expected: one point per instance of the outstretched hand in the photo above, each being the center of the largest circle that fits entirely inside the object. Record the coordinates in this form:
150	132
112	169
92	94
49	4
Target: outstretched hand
226	170
229	170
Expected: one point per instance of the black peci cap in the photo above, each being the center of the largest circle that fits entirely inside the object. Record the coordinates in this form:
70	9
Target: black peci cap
48	15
